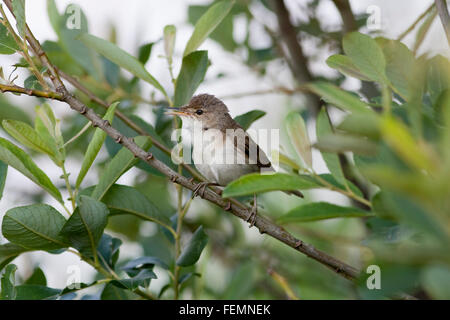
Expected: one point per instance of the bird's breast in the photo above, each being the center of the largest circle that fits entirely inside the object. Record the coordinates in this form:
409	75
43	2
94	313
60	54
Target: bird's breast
219	161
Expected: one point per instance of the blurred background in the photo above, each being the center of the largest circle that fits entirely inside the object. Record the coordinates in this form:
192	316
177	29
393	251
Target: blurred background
245	63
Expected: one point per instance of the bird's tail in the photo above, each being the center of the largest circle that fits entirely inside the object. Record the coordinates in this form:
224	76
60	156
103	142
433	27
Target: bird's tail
295	193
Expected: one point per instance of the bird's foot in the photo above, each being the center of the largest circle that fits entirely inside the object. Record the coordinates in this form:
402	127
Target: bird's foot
227	206
253	213
201	187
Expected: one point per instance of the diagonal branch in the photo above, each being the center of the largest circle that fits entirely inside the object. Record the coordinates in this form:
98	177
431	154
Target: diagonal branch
30	92
348	18
415	23
262	223
298	61
441	6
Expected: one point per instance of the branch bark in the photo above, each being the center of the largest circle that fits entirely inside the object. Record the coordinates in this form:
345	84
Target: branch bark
348	18
441	6
298	62
262	223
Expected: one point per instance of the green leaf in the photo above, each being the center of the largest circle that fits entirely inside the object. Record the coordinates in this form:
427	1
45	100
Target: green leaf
399	65
245	120
3	174
436	281
410	212
223	33
118	165
85	226
9	252
48	128
345	66
143	263
191	253
366	55
170	33
19	13
111	72
323	128
19	160
256	183
344	142
34	227
185	277
36	292
32	83
108	250
321	211
121	58
8	283
53	15
61	59
397	135
338	97
298	135
241	283
7	43
122	199
367	125
207	23
144	52
111	292
192	73
72	24
27	136
95	145
286	162
142	279
395	278
332	180
438	78
37	278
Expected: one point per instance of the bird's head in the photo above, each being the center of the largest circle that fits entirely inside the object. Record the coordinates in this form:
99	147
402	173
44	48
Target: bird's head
204	108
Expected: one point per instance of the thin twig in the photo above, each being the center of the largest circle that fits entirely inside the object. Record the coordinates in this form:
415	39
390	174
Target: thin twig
283	283
24	50
441	6
415	23
30	92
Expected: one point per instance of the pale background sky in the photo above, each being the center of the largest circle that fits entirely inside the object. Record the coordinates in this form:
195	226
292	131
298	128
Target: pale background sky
139	22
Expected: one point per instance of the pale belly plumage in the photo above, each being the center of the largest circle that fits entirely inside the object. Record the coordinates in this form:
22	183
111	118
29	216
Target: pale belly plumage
216	159
220	162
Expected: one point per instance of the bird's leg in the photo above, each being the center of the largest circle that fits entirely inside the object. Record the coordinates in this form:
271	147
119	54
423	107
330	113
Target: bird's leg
201	187
253	212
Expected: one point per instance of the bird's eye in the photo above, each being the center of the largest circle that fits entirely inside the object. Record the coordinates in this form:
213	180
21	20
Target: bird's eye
199	112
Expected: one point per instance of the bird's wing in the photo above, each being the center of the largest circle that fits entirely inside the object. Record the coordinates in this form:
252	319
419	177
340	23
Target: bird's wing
253	153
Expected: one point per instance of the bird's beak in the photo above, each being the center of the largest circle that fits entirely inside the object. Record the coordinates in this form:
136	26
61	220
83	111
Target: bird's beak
176	112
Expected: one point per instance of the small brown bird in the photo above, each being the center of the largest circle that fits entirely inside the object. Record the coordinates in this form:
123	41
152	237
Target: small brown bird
222	150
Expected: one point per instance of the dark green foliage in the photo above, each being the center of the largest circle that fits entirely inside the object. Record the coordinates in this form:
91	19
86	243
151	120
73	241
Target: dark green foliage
387	159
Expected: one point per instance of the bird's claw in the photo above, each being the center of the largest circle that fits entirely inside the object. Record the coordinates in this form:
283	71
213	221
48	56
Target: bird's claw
200	189
252	217
227	206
